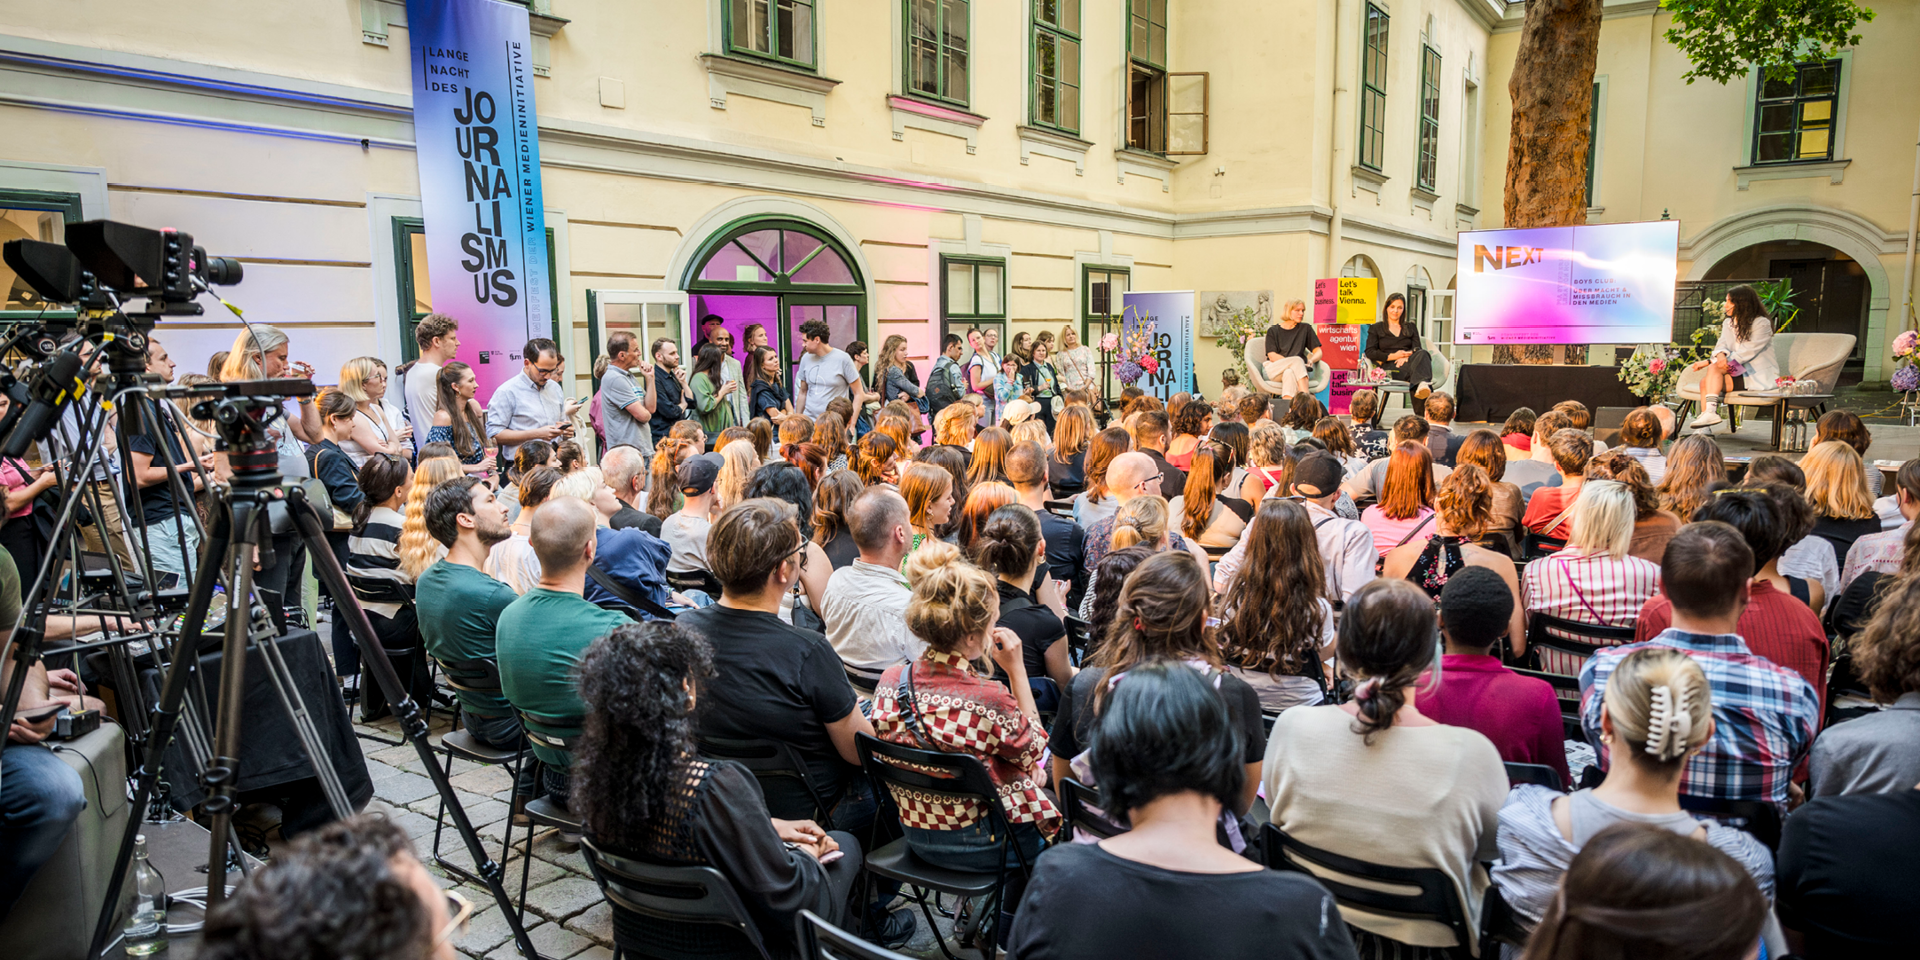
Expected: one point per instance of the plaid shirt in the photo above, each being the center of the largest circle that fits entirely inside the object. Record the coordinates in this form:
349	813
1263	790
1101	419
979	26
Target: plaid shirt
1764	716
964	712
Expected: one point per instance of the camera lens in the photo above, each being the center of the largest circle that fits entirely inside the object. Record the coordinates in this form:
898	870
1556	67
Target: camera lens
223	271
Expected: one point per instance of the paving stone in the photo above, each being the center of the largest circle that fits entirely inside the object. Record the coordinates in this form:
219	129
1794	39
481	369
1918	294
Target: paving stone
542	873
564	898
480	810
551	939
568	855
487	930
596	924
594	953
486	781
404	788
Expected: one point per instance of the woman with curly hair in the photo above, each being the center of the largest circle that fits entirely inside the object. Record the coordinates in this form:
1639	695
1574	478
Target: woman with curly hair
1339	442
663	475
830	435
1095	503
1190	424
418	549
1652	526
1266	462
1278	625
875	461
642	791
989	456
1303	411
953	426
1694	465
1464	510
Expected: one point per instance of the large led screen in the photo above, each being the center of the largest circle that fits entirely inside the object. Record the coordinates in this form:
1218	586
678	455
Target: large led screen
1599	283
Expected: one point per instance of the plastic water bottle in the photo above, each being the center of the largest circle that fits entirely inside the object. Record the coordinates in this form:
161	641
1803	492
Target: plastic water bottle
146	930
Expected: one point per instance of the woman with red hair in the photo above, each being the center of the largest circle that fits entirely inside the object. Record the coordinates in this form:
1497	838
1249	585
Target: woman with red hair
1405	511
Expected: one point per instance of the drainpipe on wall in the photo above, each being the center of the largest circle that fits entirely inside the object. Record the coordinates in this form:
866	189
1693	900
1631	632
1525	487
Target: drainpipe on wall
1913	230
1335	169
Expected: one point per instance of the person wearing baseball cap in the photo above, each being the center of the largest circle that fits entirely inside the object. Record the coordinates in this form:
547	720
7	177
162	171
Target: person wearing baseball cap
1018	411
686	531
1346	546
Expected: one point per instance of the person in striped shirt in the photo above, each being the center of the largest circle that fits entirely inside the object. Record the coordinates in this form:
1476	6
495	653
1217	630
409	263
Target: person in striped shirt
383	589
1765	715
1594	579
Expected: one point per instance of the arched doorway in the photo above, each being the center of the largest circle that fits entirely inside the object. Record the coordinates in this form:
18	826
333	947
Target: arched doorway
1829	287
777	272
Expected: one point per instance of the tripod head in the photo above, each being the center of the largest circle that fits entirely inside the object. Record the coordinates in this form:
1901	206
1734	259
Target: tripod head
241	412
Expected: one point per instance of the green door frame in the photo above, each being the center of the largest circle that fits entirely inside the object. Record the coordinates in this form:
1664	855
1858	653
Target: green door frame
782	285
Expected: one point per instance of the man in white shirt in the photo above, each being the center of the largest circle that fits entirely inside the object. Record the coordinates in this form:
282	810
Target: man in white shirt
1346	546
532	405
825	372
865	608
437	336
627	402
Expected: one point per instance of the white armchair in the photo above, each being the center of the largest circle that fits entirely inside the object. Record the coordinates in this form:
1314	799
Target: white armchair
1255	353
1803	356
1442	374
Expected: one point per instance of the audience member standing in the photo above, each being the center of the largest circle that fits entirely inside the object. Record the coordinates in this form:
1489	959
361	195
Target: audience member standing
438	337
1473	689
378	426
627	401
1765	715
670	389
532	405
1377	780
459	422
866	604
825	373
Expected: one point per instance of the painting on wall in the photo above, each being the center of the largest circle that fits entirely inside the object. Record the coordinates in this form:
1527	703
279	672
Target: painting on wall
1217	306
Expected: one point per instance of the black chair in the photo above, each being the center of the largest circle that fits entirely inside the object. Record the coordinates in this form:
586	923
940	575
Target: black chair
1538	774
1061	508
673	913
776	765
1542	631
862	682
1757	817
820	940
957	777
1567	690
480	676
1079	640
1436	899
545	811
695	580
1498	542
1538	545
1080	801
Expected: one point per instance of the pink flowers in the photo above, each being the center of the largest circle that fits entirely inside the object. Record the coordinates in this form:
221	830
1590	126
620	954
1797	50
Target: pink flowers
1150	364
1904	344
1109	342
1657	365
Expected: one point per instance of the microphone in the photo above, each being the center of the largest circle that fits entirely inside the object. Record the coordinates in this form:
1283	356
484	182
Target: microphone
53	387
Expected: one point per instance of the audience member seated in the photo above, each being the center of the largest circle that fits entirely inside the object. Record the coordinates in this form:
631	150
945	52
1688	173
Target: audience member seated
1376	780
1695	466
350	890
1764	714
40	796
1851	611
1277	625
1881	552
1640	438
1652	526
833	494
512	561
1346	546
1516	433
1066	542
1131	477
1150	435
1550	511
642	791
940	702
625	470
1190	425
1096	502
1372	442
460	606
1594	579
1162	611
1837	488
1167	760
1066	463
540	637
1104	602
981	502
1534	468
1811	557
866	606
1210	517
1659	710
1483	449
1465	507
1848	876
687	531
1638	890
1143	521
1776	623
1011	549
1846	427
929	492
1473	689
784	481
1267	457
1880	752
1371	483
1404	513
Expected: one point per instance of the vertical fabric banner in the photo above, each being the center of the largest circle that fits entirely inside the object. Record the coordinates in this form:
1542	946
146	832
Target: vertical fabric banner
1169	318
476	139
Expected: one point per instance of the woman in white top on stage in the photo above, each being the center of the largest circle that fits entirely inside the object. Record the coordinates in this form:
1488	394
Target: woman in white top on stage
1742	358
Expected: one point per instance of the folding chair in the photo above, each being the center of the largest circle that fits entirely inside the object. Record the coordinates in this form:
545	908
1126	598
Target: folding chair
1538	545
480	676
672	913
1084	811
695	580
820	940
1436	899
955	778
1061	508
778	768
1079	640
545	811
1757	817
1538	774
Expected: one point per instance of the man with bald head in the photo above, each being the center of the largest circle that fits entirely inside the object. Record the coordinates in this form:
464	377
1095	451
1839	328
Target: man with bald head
865	608
540	637
1130	475
625	468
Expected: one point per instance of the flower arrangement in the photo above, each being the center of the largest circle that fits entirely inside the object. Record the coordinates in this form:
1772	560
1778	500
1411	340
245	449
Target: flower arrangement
1232	333
1654	369
1906	377
1135	343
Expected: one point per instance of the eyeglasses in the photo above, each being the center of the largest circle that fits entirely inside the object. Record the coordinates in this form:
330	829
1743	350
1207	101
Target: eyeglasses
547	371
800	551
460	910
377	376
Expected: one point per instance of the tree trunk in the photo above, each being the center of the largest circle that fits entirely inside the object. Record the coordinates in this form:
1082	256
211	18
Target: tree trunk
1552	92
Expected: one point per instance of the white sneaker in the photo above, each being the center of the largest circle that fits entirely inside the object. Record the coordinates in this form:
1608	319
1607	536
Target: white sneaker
1423	391
1707	418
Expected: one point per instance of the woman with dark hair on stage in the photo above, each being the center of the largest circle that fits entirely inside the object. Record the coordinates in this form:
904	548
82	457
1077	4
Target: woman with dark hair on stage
1394	345
1743	356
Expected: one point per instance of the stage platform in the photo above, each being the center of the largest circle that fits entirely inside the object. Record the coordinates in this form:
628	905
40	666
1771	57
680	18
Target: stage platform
1895	443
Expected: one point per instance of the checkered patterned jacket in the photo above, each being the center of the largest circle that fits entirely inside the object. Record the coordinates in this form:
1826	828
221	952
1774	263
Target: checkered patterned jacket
964	712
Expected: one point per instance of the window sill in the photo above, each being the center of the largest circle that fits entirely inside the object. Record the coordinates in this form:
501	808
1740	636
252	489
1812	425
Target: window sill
1368	180
934	118
1423	198
728	75
1146	164
1052	143
1834	170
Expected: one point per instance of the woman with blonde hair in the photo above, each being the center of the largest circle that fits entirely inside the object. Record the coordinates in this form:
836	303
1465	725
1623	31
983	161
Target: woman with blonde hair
1031	431
1694	465
928	490
378	426
1463	512
1205	512
1095	504
738	463
1266	462
953	426
1652	526
1656	714
418	549
1837	488
1073	431
1595	578
1075	361
989	456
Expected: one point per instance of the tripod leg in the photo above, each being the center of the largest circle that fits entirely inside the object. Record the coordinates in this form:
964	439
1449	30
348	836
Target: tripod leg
413	722
223	774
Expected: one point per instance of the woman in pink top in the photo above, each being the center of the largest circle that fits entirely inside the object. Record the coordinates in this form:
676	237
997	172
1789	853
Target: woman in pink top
1595	579
1405	511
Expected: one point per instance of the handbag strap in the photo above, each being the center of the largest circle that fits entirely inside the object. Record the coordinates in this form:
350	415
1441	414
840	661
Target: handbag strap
626	595
909	711
1577	592
1422	525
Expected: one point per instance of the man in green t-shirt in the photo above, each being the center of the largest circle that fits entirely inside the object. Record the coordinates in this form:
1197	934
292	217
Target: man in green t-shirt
542	635
459	604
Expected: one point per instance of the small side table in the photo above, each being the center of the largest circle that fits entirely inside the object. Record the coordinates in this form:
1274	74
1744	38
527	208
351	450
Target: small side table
1793	405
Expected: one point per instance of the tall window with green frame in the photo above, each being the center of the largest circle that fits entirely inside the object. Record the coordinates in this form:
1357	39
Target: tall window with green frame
1794	117
1056	64
973	294
1427	172
1373	90
937	49
775	29
1147	75
416	290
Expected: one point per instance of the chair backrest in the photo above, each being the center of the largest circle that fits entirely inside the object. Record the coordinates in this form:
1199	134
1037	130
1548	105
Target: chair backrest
1539	545
1538	774
820	940
1757	817
695	580
683	910
1547	632
1442	365
959	776
1080	802
1567	690
534	722
1813	356
1079	640
471	676
767	760
1061	508
1436	899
